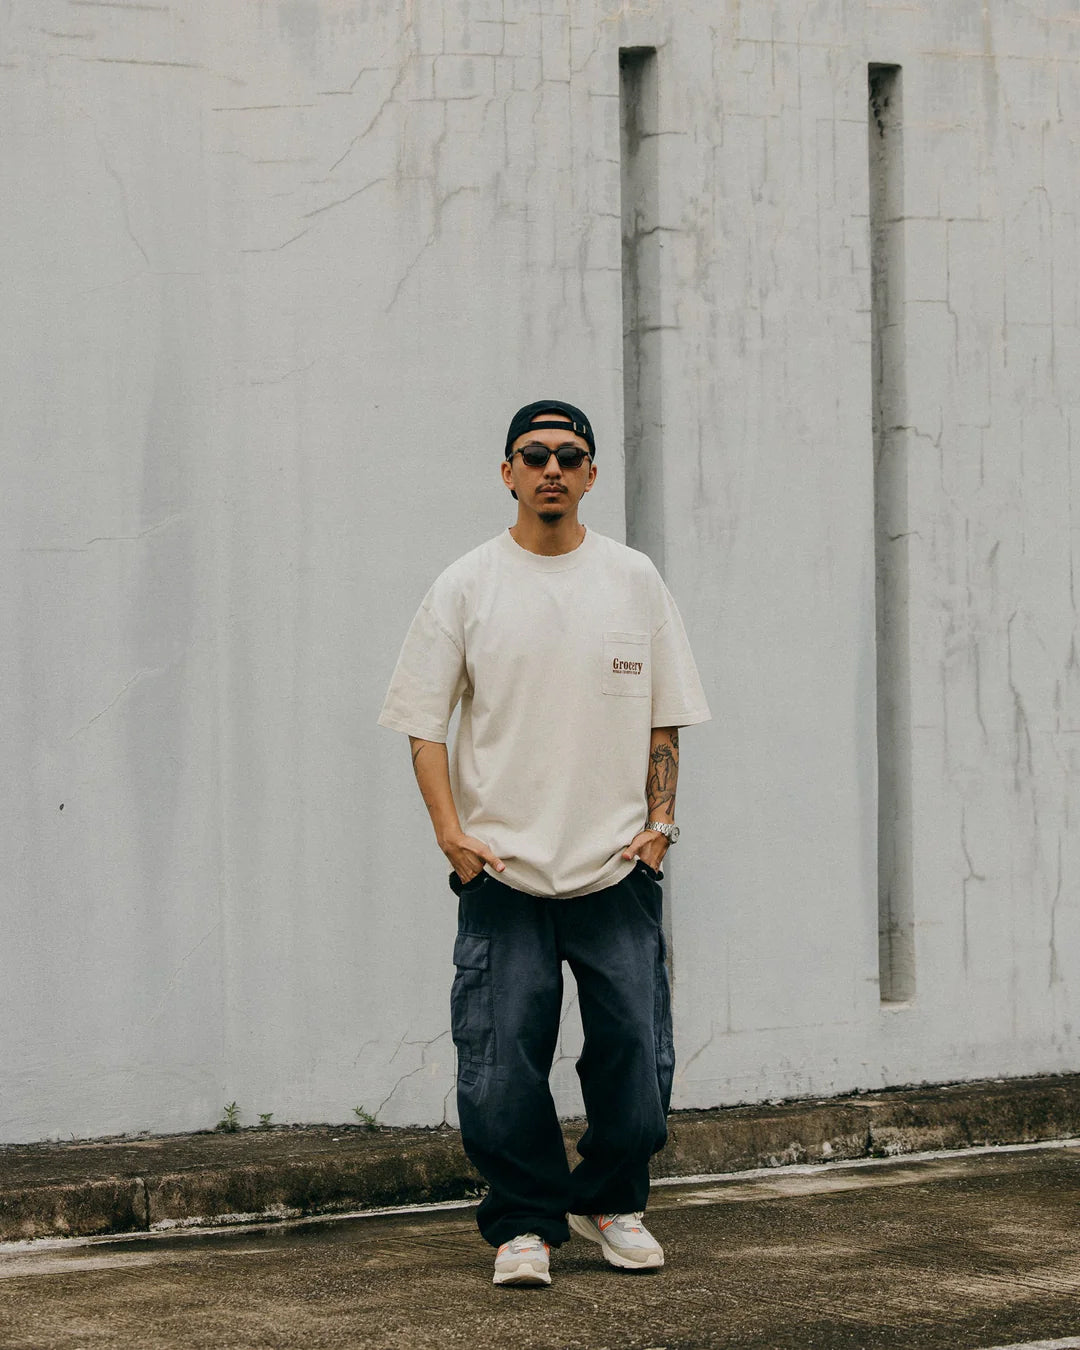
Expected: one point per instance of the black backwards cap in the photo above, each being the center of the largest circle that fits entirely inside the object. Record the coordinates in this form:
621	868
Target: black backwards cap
522	421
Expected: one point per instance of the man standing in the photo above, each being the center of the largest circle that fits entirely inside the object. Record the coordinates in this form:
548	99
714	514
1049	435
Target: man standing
573	672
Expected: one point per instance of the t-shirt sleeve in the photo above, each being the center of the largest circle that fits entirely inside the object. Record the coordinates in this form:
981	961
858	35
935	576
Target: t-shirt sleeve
678	699
429	679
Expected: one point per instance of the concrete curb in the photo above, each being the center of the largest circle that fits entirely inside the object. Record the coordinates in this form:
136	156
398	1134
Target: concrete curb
148	1184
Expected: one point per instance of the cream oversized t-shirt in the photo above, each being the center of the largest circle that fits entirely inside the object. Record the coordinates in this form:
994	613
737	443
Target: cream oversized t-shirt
563	665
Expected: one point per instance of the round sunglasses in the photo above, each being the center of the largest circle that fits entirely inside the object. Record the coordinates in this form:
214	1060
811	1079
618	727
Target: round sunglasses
537	456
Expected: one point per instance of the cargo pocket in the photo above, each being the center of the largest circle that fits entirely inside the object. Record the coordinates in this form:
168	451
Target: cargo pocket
665	1042
472	1014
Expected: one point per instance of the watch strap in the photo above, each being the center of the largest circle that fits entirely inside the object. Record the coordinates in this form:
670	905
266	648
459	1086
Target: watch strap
669	831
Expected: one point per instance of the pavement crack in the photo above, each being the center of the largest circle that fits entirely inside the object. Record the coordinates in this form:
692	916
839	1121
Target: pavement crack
700	1051
171	982
137	678
1055	970
1021	729
141	1203
342	200
966	881
373	121
288	375
132	538
433	237
276	248
426	1046
136	61
125	209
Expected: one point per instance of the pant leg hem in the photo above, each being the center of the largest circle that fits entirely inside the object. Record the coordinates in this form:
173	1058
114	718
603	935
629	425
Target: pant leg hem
550	1231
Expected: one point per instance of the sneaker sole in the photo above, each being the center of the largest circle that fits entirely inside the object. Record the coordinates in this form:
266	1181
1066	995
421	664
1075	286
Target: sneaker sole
583	1228
525	1274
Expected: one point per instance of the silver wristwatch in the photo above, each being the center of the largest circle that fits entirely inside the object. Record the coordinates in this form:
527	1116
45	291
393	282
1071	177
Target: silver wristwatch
670	832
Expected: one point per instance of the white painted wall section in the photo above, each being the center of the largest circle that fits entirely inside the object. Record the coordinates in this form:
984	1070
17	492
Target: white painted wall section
276	275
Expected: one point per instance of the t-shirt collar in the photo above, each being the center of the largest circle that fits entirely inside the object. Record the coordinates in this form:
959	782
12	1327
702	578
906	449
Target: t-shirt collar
545	562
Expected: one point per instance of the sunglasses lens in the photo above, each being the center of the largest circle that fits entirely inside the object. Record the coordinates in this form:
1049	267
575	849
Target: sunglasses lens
569	456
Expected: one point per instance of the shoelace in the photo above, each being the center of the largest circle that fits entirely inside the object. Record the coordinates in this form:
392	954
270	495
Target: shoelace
631	1221
526	1242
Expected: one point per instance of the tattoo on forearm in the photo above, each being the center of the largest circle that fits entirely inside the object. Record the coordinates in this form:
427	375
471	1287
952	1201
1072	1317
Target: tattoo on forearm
416	770
663	775
426	791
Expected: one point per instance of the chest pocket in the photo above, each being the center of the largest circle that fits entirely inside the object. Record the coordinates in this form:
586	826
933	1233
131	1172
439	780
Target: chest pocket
625	669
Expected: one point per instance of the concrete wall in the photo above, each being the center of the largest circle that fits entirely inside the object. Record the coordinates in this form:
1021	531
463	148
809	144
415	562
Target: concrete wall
275	275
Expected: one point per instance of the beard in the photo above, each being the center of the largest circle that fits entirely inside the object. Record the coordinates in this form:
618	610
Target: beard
550	517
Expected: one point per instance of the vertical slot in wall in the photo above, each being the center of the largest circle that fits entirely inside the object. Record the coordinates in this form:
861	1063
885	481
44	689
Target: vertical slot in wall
639	176
640	181
896	909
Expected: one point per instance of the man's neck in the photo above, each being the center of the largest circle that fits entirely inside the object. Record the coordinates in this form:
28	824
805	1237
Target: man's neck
538	536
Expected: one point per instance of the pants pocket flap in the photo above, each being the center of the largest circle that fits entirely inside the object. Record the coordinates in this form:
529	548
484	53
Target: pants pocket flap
471	951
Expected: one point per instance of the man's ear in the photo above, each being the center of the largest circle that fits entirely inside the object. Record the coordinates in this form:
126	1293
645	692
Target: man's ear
592	477
508	478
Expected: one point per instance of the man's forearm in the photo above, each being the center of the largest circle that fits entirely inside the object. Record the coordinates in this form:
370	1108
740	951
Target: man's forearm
431	764
467	855
663	776
660	782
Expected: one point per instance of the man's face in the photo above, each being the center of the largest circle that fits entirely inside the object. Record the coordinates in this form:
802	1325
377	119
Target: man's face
550	491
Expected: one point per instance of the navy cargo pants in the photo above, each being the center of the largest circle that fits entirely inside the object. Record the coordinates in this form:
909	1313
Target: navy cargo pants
505	1006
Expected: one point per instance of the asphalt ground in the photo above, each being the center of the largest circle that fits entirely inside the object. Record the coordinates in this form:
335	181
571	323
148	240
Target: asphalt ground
959	1251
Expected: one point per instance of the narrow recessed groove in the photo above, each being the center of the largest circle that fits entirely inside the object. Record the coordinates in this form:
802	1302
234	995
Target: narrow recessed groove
892	537
643	328
642	313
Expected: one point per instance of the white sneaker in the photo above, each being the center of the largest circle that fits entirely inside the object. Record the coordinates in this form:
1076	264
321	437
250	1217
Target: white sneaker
522	1260
624	1239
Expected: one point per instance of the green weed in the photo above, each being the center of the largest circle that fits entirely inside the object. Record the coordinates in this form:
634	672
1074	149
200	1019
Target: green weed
229	1122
